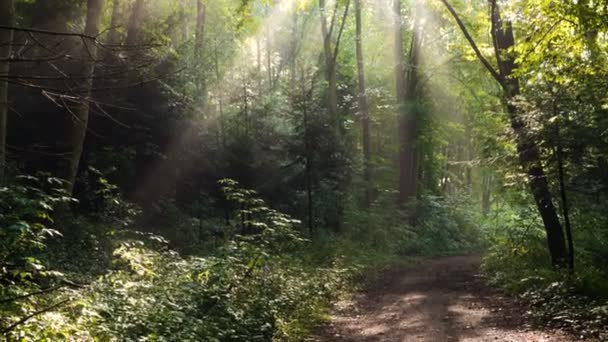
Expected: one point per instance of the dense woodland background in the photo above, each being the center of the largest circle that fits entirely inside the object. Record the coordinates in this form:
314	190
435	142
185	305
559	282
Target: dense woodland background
143	144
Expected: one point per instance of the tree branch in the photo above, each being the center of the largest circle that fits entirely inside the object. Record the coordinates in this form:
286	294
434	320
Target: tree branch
342	24
471	41
50	33
34	314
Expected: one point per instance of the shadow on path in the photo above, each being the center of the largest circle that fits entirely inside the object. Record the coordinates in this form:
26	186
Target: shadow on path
436	300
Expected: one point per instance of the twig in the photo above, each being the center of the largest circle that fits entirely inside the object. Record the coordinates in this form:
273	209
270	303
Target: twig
34	314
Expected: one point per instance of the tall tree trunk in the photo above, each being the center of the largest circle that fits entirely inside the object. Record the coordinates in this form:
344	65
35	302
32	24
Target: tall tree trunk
528	152
201	14
269	71
363	107
115	22
564	196
137	137
330	70
80	112
135	21
407	84
331	77
7	18
308	158
220	93
331	73
529	155
258	49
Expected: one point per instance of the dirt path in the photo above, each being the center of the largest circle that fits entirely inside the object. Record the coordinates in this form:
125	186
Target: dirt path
435	301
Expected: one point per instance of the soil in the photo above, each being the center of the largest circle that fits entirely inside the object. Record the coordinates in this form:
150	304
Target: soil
436	300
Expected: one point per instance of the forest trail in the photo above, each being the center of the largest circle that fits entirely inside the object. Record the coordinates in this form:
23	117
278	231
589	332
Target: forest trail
437	300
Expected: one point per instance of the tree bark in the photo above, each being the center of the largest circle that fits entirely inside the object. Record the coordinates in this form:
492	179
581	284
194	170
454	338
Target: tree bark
331	75
528	152
529	155
330	70
135	21
486	192
363	107
201	15
564	196
407	84
80	112
115	22
7	18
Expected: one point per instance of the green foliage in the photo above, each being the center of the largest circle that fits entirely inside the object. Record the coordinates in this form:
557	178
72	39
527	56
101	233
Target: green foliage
25	216
517	261
26	209
253	287
446	225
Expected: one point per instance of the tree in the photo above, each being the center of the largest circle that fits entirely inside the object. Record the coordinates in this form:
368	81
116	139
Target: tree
83	76
7	18
406	74
199	45
503	40
363	107
330	59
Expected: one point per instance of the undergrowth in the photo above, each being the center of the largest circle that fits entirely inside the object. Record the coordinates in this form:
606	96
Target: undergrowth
253	277
518	262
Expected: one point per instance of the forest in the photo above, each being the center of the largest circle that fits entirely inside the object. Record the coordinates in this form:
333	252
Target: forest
303	170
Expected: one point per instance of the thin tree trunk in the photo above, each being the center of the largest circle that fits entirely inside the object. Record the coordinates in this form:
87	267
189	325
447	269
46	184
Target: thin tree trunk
363	107
80	112
308	161
332	93
220	94
486	192
201	14
564	196
7	18
330	72
331	75
258	49
269	70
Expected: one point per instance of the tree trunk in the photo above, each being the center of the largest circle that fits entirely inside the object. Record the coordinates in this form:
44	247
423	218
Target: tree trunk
7	18
529	155
115	22
135	22
564	196
407	83
363	108
80	112
486	192
308	159
269	70
330	70
220	93
332	97
201	14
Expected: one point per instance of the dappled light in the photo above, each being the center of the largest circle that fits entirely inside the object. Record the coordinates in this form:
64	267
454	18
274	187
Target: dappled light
303	170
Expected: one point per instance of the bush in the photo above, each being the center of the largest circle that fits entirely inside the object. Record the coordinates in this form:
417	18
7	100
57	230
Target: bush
518	262
254	287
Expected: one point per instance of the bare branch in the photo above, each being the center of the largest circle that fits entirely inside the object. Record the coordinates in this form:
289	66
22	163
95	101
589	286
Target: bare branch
50	33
